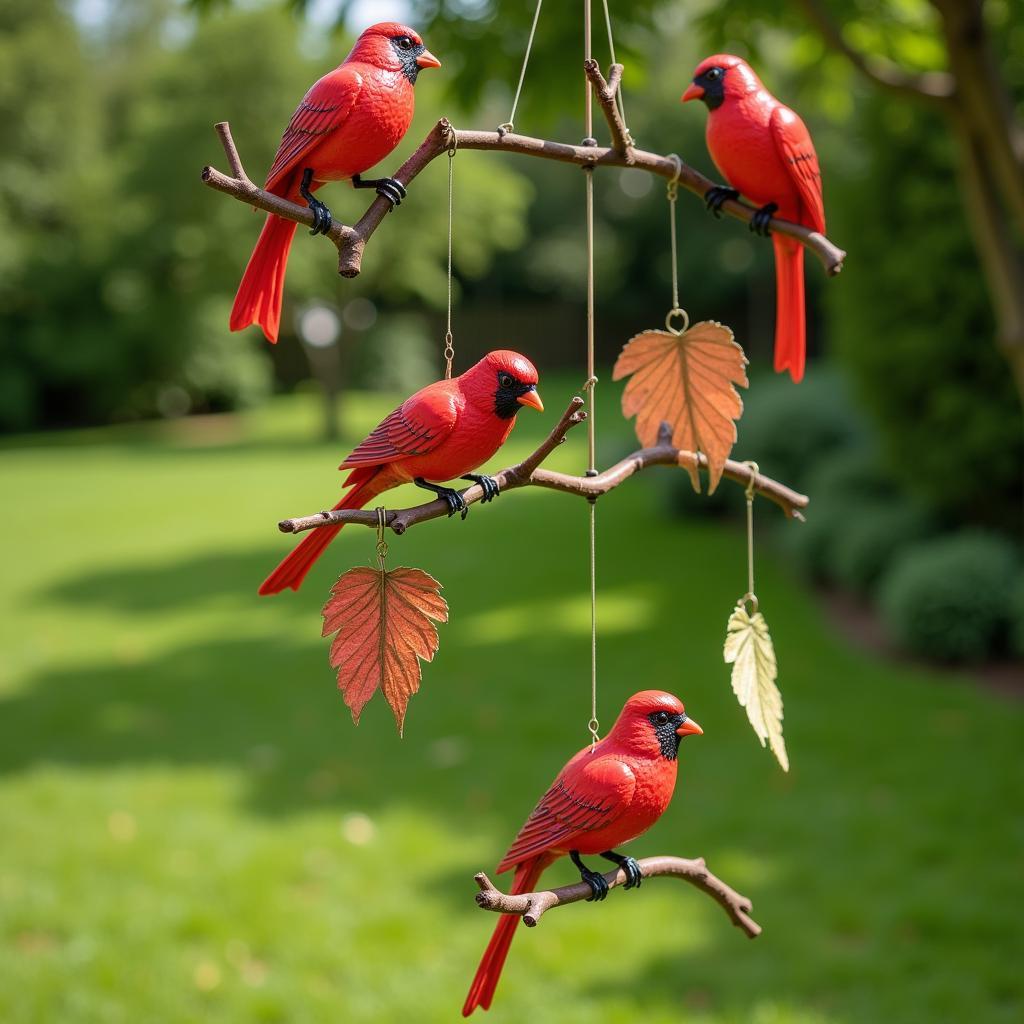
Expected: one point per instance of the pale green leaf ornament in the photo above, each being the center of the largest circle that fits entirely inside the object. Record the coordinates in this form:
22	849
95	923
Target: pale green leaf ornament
749	649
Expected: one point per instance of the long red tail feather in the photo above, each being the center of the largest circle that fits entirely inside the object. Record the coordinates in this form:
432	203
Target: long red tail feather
481	992
790	330
294	566
261	292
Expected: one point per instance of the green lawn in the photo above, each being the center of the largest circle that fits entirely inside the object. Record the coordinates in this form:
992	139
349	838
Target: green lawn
192	829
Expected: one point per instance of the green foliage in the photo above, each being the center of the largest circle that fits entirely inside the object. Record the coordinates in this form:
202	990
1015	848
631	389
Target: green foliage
399	355
949	598
915	331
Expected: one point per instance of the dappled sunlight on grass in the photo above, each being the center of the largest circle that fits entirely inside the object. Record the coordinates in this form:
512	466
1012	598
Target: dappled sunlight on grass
623	611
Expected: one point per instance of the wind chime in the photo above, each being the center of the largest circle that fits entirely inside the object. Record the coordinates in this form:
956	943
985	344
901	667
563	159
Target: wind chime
681	389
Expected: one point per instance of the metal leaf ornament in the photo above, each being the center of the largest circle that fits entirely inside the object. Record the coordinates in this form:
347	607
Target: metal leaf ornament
749	649
384	625
686	378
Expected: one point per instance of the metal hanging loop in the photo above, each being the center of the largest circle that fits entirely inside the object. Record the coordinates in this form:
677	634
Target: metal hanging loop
382	547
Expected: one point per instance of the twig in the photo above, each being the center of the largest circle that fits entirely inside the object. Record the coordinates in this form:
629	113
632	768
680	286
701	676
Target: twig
533	905
351	241
529	474
604	91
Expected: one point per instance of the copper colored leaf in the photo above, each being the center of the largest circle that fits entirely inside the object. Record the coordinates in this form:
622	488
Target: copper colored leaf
384	626
686	380
749	649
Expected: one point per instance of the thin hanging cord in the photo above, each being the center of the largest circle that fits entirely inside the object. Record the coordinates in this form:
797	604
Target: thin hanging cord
593	725
751	487
449	346
509	125
611	53
672	191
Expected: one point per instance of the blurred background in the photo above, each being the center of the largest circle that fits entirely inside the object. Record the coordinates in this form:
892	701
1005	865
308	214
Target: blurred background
191	826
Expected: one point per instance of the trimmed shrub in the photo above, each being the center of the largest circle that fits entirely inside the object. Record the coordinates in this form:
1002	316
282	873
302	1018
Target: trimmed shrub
869	539
949	598
840	487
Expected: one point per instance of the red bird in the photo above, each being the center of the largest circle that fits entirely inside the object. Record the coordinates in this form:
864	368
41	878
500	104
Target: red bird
764	151
601	799
347	122
444	431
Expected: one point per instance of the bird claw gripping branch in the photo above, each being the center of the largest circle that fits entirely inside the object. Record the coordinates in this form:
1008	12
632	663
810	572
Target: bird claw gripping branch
456	503
323	219
634	876
715	197
390	188
760	223
489	485
597	882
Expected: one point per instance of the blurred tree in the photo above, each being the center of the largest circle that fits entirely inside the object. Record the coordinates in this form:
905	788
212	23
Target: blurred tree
118	267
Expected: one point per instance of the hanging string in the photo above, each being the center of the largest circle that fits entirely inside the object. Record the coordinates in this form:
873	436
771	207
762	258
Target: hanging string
449	346
751	488
672	191
509	126
591	387
611	53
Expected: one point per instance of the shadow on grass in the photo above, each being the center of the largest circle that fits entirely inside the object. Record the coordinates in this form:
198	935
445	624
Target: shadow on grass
167	587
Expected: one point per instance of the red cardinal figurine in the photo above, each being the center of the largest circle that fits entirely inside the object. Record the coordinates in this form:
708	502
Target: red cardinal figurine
765	152
347	122
601	799
444	431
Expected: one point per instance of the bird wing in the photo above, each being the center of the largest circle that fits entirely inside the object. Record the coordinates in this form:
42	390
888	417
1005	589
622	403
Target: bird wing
590	793
323	109
794	146
416	427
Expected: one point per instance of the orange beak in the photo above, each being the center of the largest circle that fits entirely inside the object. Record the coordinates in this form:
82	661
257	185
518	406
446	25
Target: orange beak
693	92
532	399
689	728
427	60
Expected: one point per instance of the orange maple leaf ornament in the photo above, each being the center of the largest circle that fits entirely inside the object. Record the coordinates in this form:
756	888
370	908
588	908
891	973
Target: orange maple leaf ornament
384	625
686	379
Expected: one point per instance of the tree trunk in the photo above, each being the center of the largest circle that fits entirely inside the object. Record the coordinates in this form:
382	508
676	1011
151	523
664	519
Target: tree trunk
982	98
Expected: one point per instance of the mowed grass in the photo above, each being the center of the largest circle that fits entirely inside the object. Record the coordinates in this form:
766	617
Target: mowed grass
192	828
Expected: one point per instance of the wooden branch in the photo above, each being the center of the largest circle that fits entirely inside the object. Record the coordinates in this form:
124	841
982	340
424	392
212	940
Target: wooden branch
936	86
529	474
533	905
622	141
351	241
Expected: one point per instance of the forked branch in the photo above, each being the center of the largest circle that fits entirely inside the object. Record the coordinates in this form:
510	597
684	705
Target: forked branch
532	906
351	241
529	474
